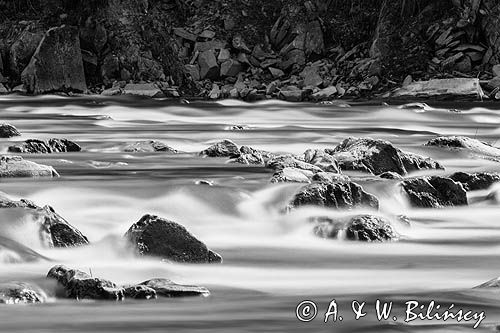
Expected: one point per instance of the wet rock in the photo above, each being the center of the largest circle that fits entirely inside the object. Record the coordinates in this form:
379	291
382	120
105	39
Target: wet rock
80	285
57	63
292	175
330	177
322	160
54	230
142	89
289	161
463	142
34	146
155	236
237	128
476	181
225	148
339	195
167	288
209	45
451	88
20	293
378	156
434	192
391	175
16	166
365	228
8	131
209	68
149	147
139	292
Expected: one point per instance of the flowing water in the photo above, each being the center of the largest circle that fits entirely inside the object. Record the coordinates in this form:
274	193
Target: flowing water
272	261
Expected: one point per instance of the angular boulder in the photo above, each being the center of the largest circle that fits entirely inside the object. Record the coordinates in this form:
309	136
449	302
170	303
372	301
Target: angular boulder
378	156
149	147
20	293
339	195
225	148
364	228
230	68
22	50
16	166
476	181
209	69
57	64
434	192
159	237
34	146
8	131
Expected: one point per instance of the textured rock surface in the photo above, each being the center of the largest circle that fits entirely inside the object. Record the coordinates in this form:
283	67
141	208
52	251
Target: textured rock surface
8	131
289	161
148	147
463	142
322	160
167	288
156	236
476	181
34	146
292	175
225	148
20	293
16	166
365	228
434	192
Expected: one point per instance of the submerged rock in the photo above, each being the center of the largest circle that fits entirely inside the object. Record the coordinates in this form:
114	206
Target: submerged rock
339	195
378	156
54	230
434	192
16	166
156	236
226	148
149	147
20	293
476	181
463	142
167	288
34	146
8	131
365	228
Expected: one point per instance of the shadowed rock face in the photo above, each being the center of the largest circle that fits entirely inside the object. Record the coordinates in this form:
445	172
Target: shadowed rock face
8	131
377	157
365	228
340	195
476	181
54	230
34	146
434	192
16	166
225	148
20	293
155	236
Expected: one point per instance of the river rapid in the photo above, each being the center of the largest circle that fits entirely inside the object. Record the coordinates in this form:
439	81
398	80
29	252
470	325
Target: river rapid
272	261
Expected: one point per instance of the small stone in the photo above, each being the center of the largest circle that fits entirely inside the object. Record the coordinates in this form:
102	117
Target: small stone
224	55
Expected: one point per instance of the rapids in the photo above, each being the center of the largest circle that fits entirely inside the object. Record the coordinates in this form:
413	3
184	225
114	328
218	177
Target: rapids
271	261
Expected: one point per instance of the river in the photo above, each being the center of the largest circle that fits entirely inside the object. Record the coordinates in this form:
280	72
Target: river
272	261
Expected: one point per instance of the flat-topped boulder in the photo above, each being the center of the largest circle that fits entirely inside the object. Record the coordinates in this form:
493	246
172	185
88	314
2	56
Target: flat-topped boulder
8	131
149	146
365	228
434	192
377	157
468	88
20	293
34	146
159	237
15	166
53	229
225	148
476	181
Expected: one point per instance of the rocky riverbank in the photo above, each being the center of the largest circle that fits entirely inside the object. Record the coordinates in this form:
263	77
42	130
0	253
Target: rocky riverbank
291	50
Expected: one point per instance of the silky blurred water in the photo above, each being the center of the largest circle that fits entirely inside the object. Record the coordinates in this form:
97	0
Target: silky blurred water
271	260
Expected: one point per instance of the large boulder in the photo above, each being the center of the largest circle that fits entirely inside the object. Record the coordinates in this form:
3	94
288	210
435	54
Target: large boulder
156	236
20	293
209	68
16	166
54	230
322	160
338	195
434	192
142	89
57	64
8	131
149	147
476	181
442	88
225	148
22	50
465	143
34	146
378	156
365	228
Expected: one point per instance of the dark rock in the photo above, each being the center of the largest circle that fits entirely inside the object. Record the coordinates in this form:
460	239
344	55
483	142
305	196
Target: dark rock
193	71
148	147
324	94
291	94
20	293
239	44
224	148
340	195
463	142
377	157
22	50
57	63
230	68
208	65
330	177
292	175
209	45
8	131
54	230
16	166
365	228
476	181
311	76
434	192
34	146
183	33
139	291
322	160
167	288
155	236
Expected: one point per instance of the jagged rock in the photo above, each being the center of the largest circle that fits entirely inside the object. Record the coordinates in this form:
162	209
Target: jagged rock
113	91
16	166
22	50
252	151
209	68
167	288
250	158
289	161
339	195
54	230
20	293
458	87
155	236
377	157
3	90
230	68
148	147
80	285
476	181
473	145
34	146
225	148
434	192
322	160
56	64
224	55
183	33
365	228
142	89
292	175
276	73
209	45
8	131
